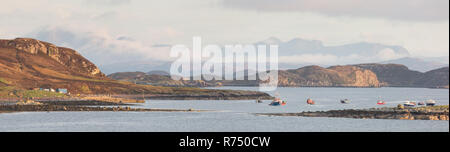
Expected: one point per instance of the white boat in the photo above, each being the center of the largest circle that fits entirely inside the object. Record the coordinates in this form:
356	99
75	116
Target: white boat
430	102
409	104
345	101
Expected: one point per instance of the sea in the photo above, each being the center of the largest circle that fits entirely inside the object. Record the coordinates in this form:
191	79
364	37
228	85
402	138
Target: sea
240	115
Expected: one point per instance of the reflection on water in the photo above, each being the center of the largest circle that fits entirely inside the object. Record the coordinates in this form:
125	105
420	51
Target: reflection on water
237	115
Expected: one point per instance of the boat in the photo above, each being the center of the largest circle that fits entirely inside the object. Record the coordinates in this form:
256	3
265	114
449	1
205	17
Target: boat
277	102
345	101
259	101
310	101
381	102
409	104
430	102
421	103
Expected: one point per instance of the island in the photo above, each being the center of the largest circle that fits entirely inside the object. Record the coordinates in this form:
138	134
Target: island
412	113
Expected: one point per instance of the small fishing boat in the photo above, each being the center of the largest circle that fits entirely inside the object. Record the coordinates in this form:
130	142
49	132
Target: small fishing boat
409	104
310	101
345	101
259	101
277	102
430	102
421	103
381	102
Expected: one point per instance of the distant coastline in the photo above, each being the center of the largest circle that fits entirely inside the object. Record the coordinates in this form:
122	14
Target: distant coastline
351	76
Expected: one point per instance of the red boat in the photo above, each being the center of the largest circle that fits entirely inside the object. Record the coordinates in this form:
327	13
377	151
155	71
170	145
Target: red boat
381	102
310	102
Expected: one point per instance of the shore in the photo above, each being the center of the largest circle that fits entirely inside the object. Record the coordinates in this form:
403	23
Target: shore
418	113
48	108
114	104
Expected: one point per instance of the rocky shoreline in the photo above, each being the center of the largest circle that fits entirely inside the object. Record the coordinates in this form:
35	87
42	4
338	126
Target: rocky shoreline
419	113
48	108
88	106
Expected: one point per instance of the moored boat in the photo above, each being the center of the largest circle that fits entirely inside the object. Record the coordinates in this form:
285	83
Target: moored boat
259	101
430	102
381	102
409	104
345	101
421	103
277	102
310	101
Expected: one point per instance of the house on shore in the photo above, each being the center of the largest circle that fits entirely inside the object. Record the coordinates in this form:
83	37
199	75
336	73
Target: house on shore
58	90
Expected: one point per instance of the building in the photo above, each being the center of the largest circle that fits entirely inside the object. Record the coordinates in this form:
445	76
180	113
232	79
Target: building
62	90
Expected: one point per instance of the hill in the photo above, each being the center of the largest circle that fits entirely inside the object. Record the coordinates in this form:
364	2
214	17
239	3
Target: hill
435	78
28	63
417	64
335	76
396	75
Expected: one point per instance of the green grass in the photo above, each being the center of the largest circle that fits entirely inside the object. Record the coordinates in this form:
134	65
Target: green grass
2	80
432	107
39	93
12	92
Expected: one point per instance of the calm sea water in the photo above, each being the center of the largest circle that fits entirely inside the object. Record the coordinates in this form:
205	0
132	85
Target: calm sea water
238	115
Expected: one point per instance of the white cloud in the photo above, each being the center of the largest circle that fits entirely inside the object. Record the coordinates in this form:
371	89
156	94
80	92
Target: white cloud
100	46
177	21
107	2
388	54
414	10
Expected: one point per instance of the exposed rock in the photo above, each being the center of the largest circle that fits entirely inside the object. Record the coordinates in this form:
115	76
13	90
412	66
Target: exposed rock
28	102
420	113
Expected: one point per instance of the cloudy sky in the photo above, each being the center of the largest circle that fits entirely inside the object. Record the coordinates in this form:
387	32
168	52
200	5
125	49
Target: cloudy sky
142	29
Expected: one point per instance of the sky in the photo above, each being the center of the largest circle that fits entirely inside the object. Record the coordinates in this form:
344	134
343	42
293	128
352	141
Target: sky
106	30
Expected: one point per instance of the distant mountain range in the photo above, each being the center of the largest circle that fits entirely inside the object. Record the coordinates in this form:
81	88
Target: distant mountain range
300	52
121	54
298	46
